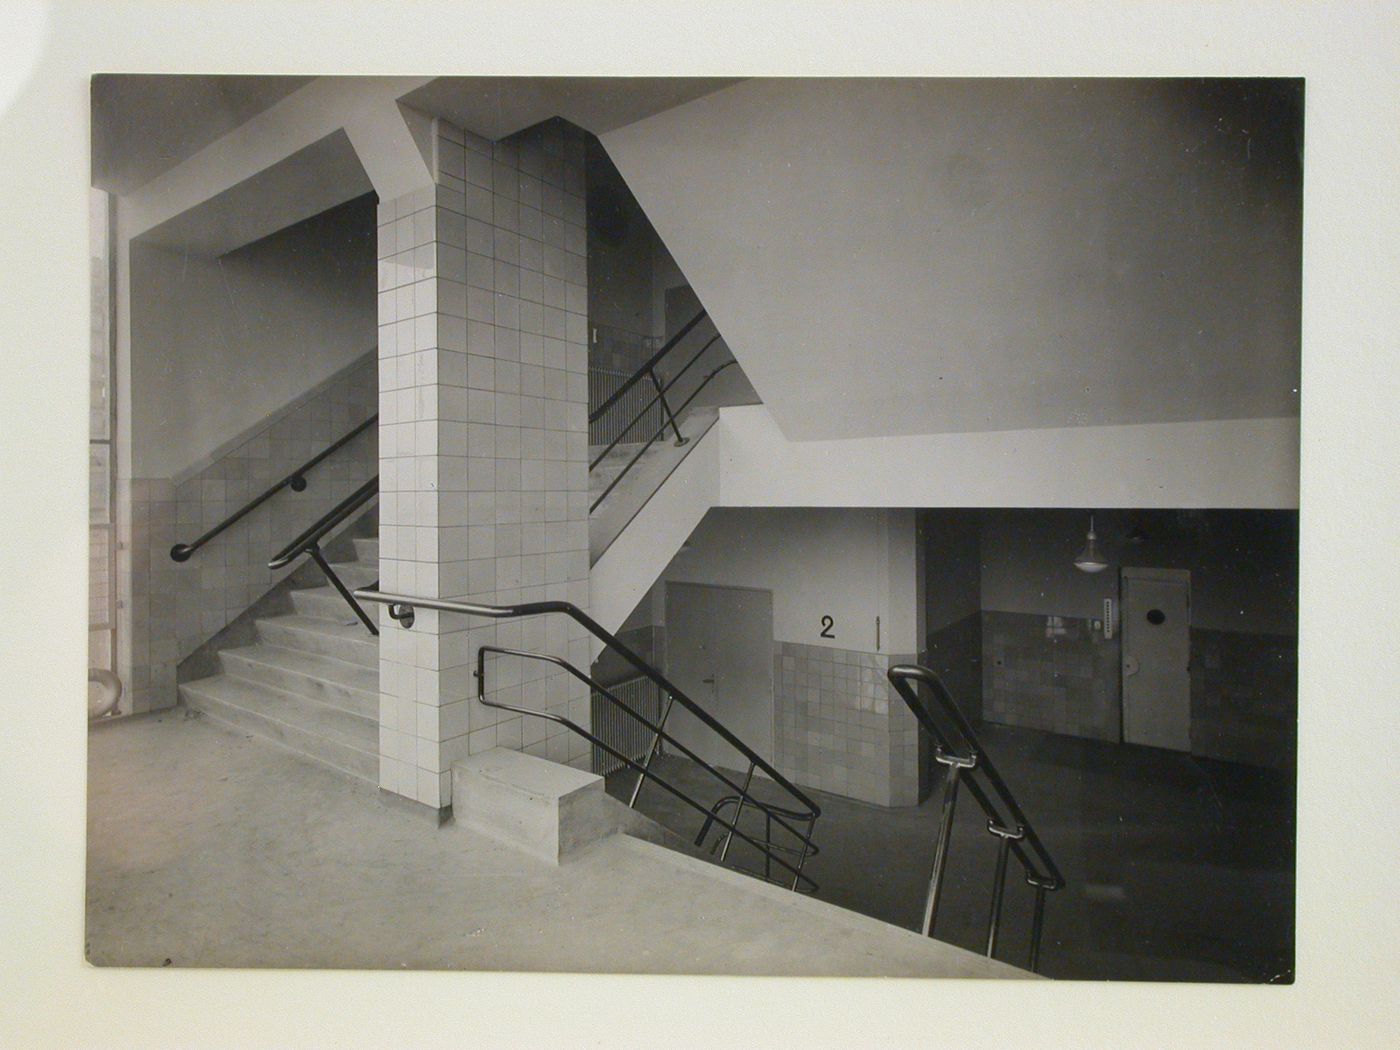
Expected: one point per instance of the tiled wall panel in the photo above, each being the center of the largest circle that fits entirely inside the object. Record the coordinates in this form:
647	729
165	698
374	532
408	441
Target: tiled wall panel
1244	687
483	406
1064	683
618	350
840	728
169	608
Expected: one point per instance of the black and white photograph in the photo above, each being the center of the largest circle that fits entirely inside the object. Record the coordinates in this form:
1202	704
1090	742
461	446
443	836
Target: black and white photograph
846	526
652	481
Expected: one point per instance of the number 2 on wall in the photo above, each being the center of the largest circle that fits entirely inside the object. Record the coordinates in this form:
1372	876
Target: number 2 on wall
827	624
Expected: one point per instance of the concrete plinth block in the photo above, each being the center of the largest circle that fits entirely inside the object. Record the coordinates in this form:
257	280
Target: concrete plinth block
543	808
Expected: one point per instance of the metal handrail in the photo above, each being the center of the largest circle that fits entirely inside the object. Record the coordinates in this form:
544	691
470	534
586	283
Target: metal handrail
296	481
800	881
401	609
309	543
670	417
965	759
658	398
647	367
811	849
652	440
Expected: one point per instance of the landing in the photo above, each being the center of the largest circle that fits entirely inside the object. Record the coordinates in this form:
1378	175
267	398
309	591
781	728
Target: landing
211	848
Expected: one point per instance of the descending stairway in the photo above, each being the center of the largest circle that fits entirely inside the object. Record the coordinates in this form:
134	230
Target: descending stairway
311	681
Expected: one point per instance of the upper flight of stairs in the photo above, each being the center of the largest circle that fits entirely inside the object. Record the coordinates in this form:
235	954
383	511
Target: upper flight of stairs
643	480
310	681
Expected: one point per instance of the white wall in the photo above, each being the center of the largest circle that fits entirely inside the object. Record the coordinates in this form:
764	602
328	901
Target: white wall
939	255
218	345
1227	463
745	461
851	565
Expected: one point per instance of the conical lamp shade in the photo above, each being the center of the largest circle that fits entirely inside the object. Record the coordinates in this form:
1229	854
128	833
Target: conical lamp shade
1090	560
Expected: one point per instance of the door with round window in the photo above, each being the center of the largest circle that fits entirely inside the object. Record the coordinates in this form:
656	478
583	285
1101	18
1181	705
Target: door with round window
1156	633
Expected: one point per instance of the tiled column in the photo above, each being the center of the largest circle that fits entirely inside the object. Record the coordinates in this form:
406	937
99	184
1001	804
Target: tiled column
483	448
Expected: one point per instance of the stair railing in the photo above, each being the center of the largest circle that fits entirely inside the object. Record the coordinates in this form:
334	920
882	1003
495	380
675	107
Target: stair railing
309	544
296	481
769	813
790	820
669	416
958	750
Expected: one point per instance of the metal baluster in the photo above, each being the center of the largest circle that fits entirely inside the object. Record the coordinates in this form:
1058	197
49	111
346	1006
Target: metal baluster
768	841
651	752
999	884
955	765
665	405
738	812
315	551
1038	919
802	855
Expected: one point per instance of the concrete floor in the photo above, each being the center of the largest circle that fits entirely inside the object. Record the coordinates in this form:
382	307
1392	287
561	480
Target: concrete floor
208	847
1177	868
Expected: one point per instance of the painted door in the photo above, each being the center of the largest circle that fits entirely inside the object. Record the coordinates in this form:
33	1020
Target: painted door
719	652
1156	630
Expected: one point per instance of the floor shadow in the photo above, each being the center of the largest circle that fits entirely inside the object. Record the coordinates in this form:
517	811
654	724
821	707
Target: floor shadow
1177	868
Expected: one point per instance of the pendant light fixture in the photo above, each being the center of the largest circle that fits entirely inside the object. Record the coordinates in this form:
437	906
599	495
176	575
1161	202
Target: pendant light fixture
1090	560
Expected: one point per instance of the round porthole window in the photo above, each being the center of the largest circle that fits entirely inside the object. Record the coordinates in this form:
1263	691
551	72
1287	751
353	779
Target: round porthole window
1156	617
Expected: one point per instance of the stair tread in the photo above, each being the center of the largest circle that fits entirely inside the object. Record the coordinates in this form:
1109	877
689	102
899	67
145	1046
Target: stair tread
328	723
351	573
328	592
314	665
341	638
351	631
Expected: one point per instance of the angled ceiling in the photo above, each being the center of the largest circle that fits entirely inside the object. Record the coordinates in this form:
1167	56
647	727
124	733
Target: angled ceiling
145	124
889	257
306	183
495	107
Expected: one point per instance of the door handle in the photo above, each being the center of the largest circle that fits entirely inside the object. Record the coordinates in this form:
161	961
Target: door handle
1130	665
708	681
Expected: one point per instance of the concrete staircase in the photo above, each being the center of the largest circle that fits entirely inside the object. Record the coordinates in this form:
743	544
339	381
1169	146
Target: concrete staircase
310	681
601	476
656	465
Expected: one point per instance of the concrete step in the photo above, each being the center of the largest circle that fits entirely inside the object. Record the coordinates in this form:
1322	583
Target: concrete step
545	808
326	603
601	476
367	549
356	573
350	642
621	453
323	679
335	738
